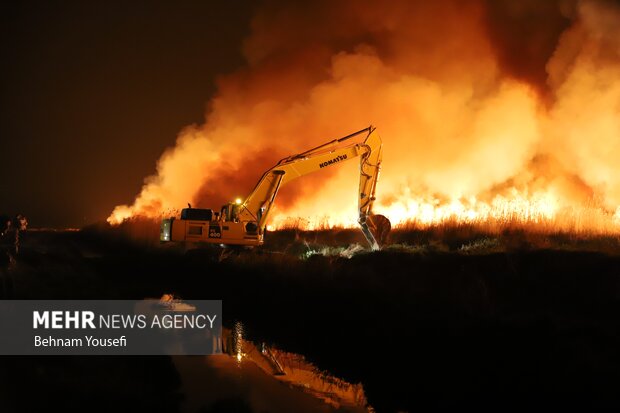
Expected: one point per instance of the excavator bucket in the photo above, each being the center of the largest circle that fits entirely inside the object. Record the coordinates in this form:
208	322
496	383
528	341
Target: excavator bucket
380	226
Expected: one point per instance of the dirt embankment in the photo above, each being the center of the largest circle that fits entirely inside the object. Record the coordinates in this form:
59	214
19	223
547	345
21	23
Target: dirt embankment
418	325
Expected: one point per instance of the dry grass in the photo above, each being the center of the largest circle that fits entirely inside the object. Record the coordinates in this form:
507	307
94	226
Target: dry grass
512	234
452	235
448	236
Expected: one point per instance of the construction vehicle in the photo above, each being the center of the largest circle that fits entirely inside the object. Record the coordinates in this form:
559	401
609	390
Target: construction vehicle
243	223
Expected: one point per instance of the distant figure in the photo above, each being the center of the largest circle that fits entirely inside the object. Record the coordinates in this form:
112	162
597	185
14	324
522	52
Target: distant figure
7	242
9	248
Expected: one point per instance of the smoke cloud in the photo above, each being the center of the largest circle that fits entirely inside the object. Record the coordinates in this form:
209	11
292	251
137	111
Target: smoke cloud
484	108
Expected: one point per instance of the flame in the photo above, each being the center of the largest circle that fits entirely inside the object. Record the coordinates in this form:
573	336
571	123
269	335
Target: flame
537	208
469	135
539	211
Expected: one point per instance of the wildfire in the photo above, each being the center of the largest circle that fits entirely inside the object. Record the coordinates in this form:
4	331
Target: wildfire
538	212
470	135
538	208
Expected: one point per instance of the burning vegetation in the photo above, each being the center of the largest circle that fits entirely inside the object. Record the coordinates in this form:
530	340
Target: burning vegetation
492	113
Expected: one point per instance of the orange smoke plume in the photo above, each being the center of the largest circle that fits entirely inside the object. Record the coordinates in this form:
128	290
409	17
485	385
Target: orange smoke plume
488	110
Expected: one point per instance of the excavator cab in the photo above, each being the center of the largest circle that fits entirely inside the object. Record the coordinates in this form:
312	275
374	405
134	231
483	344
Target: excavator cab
225	214
230	212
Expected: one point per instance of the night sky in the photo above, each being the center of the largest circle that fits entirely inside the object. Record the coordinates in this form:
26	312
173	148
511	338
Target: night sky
93	92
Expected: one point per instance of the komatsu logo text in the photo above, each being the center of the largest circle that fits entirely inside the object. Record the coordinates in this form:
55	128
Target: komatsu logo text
333	161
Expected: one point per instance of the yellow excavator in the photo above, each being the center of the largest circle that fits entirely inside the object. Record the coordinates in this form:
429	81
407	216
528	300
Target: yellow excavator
242	223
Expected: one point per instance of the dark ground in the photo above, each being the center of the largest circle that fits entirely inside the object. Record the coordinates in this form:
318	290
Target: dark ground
470	321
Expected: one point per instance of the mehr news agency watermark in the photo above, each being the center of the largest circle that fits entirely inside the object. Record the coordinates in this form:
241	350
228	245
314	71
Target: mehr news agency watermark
145	327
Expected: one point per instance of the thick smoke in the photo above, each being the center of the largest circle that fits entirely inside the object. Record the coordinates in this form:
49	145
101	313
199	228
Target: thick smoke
477	103
524	35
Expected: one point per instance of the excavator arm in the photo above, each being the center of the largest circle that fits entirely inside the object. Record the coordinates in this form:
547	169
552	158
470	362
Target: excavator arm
257	205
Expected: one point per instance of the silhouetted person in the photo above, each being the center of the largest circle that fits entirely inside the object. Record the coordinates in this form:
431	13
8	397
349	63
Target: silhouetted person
9	249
